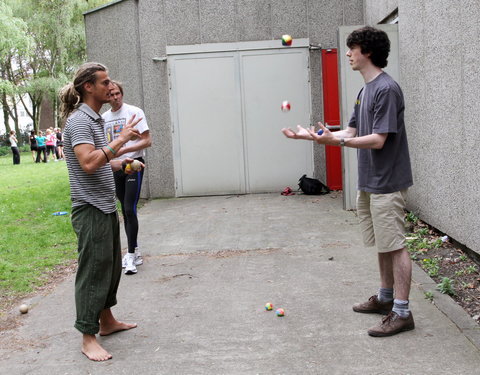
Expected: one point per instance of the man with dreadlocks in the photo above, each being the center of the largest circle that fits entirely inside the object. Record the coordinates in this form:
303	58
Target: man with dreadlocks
94	214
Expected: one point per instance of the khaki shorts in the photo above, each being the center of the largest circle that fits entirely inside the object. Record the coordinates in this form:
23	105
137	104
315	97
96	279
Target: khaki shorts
382	219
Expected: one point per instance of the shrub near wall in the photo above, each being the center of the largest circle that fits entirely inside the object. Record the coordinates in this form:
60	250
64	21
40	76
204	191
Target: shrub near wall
5	150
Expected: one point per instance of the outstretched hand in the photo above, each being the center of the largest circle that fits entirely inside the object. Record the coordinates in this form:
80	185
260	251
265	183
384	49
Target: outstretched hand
325	138
302	133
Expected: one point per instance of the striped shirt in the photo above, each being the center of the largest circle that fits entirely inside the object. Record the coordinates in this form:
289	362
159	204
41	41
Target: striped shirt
83	126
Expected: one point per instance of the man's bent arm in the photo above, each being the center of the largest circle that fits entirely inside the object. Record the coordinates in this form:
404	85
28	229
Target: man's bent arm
89	158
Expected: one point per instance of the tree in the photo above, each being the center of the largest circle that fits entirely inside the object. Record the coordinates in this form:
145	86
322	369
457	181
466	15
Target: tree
13	41
57	30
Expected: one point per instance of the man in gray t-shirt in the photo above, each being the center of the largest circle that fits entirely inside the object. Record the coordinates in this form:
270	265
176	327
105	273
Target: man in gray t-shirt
379	110
377	130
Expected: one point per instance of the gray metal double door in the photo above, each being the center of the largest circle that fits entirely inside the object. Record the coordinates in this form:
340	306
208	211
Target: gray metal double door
225	105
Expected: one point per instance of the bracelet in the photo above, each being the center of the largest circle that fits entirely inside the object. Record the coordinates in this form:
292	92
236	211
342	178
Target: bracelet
104	153
111	150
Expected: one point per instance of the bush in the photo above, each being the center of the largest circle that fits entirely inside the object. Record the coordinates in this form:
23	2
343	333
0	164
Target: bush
4	150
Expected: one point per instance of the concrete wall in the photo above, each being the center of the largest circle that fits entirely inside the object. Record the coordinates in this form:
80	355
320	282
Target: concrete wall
128	34
377	10
440	76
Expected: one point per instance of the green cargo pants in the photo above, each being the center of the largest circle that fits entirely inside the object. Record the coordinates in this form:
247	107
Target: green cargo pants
99	265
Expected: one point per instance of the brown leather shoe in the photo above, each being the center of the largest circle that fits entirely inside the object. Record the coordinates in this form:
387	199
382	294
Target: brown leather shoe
392	324
373	306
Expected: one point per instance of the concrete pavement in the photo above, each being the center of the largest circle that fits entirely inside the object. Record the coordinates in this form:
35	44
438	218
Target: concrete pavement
211	264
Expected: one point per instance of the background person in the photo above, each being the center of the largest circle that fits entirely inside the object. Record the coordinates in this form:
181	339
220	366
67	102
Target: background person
59	147
377	130
128	187
32	140
94	212
50	143
14	147
41	147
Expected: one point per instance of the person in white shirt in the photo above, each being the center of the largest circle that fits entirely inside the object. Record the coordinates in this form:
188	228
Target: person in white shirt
128	187
14	147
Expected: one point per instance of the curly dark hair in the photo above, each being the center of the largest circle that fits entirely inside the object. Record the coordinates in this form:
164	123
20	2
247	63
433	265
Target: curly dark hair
373	41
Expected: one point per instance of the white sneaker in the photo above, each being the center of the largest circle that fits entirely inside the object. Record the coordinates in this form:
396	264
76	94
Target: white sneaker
130	268
138	259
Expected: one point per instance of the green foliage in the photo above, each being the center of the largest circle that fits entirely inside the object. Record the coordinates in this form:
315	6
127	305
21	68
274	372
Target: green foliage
417	244
471	269
7	87
411	218
422	231
431	266
463	258
437	243
32	240
429	296
13	33
446	286
40	48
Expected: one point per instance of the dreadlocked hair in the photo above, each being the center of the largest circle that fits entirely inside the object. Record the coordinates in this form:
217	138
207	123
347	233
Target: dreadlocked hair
71	95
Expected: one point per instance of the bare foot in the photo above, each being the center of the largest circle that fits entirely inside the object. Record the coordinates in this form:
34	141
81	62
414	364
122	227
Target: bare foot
116	326
92	349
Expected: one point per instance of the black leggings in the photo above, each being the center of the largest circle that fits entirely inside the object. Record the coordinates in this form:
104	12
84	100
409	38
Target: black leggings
41	150
16	155
50	149
127	188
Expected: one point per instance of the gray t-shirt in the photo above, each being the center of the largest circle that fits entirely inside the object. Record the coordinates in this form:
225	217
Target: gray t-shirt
84	125
379	109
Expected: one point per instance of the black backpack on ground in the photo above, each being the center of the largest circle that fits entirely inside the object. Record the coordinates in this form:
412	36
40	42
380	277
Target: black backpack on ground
312	186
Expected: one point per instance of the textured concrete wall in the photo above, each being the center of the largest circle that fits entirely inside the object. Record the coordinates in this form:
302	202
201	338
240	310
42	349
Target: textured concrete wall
440	76
113	39
127	35
377	10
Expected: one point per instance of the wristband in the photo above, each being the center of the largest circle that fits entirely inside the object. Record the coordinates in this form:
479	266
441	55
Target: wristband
111	150
104	153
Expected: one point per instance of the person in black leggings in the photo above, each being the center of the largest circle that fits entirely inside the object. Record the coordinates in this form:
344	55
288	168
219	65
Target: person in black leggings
41	148
33	144
128	187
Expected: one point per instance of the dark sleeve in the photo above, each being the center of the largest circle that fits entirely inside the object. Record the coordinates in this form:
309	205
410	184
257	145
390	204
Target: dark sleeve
353	119
385	112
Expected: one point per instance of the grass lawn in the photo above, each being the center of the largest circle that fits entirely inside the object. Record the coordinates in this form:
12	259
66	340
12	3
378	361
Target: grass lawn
32	240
